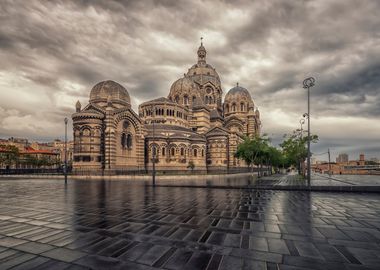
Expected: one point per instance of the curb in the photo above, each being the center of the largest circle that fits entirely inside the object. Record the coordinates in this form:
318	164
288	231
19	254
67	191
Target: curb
359	189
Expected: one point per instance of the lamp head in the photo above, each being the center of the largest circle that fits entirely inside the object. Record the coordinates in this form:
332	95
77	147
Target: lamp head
308	82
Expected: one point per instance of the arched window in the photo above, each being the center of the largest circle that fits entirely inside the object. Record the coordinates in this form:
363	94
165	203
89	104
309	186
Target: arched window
129	141
234	107
185	100
163	151
203	152
195	153
182	151
194	98
177	99
123	140
153	150
86	132
242	107
125	124
172	152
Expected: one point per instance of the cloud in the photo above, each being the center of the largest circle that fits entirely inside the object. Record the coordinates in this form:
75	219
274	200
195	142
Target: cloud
53	52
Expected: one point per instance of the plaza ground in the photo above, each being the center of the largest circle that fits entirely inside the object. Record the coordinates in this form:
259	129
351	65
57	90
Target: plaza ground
45	224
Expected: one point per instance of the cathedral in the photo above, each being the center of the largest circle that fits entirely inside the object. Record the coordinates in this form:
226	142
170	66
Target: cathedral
192	129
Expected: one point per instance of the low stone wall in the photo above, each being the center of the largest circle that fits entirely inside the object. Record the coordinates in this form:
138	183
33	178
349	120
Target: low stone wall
134	177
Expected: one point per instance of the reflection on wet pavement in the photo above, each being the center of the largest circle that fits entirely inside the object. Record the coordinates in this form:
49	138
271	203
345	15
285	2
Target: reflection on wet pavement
122	225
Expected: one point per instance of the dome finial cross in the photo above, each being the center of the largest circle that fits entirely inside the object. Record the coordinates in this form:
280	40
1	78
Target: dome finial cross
201	41
237	83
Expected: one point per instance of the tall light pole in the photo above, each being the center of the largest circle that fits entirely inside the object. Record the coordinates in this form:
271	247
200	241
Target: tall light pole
153	151
302	121
65	169
307	84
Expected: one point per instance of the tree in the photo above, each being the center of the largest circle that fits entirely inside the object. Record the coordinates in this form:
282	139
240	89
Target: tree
30	160
256	150
294	148
9	155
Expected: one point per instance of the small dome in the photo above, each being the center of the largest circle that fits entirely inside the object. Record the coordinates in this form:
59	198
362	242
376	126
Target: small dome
109	90
237	92
183	86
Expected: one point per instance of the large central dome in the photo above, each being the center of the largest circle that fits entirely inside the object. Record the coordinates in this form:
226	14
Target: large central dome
109	91
203	72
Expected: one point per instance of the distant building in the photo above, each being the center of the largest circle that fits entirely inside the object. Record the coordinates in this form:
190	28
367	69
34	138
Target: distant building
28	152
342	158
350	167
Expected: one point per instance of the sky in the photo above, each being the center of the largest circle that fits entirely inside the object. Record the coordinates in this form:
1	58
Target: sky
53	52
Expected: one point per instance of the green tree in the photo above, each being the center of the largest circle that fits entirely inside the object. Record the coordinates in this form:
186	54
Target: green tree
255	151
30	160
9	155
294	148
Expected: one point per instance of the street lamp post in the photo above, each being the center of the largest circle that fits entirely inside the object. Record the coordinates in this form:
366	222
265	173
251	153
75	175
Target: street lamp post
302	121
65	168
307	84
153	151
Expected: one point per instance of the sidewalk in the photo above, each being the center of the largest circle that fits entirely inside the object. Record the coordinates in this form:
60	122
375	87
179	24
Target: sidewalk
320	182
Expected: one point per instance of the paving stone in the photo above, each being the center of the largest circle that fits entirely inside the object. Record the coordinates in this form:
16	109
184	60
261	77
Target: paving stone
64	254
7	253
307	249
34	247
178	260
193	235
16	260
257	255
253	264
100	262
114	247
216	238
229	262
136	252
277	246
199	260
366	256
232	240
258	243
31	264
333	233
153	254
10	241
214	262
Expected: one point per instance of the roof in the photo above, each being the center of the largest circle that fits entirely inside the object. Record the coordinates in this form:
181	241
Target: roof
109	90
215	115
171	131
237	90
31	150
158	100
217	131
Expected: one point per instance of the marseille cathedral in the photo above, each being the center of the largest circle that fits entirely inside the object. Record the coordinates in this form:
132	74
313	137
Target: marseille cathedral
192	128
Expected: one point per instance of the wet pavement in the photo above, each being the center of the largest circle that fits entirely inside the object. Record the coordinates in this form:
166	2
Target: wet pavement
122	225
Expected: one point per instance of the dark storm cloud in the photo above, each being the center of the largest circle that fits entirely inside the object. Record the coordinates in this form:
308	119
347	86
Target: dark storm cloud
53	52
